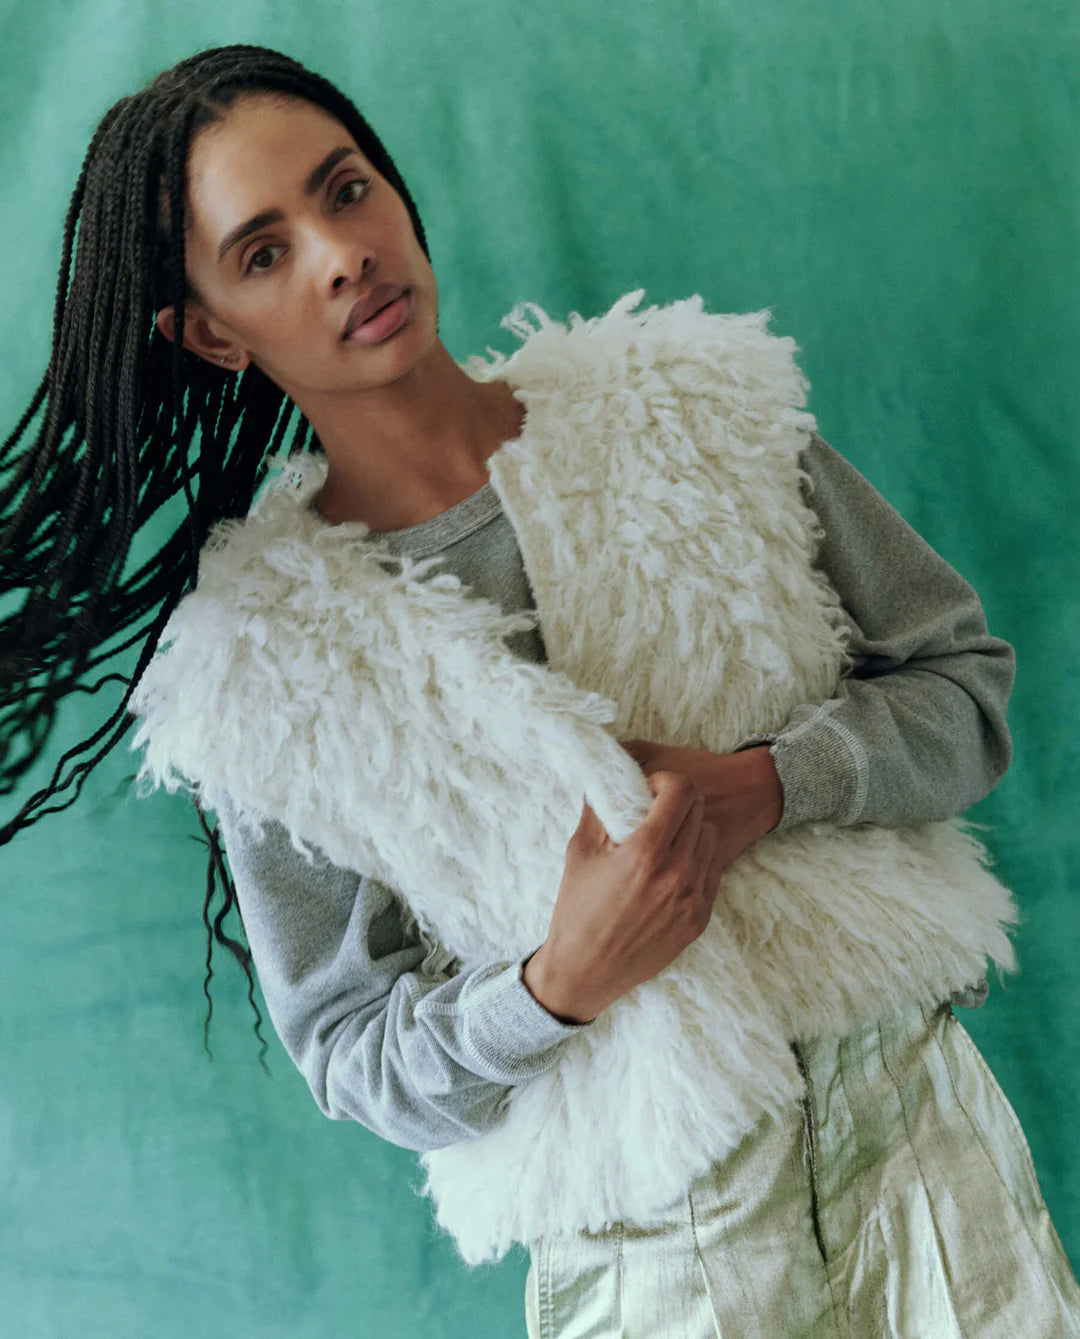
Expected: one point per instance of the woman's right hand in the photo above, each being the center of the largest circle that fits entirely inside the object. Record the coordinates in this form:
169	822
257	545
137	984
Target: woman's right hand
624	911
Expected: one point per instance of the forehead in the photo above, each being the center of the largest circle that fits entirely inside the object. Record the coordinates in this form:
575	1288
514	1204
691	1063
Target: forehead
256	159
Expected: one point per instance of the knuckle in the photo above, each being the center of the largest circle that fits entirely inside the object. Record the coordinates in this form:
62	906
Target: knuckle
662	884
670	882
651	860
682	784
683	877
685	867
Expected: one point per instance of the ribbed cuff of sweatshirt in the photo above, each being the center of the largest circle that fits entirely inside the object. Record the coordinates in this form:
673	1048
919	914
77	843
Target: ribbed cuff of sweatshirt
510	1031
822	766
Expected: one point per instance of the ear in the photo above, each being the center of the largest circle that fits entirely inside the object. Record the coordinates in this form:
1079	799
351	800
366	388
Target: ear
199	338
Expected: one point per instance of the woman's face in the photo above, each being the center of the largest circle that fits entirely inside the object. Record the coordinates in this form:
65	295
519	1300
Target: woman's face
277	291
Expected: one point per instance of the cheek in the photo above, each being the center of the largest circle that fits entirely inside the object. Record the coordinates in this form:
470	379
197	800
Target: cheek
286	320
292	336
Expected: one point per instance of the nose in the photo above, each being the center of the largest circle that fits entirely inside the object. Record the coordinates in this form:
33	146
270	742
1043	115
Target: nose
346	273
348	258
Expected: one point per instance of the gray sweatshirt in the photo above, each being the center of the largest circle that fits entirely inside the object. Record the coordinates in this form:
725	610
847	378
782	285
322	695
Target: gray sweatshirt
386	1028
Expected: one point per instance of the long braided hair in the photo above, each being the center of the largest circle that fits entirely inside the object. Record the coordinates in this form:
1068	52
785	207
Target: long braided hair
127	420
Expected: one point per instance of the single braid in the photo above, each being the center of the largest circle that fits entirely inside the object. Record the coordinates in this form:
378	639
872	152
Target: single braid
127	421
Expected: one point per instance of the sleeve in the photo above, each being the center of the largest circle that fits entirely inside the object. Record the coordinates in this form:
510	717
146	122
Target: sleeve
422	1057
917	730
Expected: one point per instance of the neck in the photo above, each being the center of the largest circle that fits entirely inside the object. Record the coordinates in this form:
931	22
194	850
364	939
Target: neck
413	448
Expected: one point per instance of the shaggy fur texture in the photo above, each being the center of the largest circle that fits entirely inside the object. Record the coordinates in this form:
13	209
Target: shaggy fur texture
654	491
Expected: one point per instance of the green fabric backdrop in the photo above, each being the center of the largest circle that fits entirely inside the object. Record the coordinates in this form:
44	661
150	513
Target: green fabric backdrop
898	183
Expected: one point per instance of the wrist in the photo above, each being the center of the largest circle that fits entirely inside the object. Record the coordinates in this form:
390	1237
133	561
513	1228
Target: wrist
762	788
770	789
543	985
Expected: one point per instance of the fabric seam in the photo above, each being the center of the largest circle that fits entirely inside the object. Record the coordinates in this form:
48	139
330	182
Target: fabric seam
433	546
862	770
964	1037
922	1175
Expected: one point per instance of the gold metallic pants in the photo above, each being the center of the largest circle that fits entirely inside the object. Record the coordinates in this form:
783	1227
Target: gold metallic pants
900	1202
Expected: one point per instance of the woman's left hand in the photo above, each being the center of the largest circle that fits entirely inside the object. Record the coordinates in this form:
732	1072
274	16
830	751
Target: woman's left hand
743	794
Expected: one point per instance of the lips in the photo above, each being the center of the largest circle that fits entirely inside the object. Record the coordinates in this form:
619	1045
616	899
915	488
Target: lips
362	310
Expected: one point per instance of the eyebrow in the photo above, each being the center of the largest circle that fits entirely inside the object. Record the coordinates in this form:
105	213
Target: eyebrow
314	181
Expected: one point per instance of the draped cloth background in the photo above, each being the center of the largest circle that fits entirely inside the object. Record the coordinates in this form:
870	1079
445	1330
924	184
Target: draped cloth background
899	186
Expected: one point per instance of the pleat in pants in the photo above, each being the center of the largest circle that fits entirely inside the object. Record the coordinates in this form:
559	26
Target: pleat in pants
899	1202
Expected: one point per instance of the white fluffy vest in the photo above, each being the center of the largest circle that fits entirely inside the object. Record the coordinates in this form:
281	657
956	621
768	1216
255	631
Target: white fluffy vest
654	491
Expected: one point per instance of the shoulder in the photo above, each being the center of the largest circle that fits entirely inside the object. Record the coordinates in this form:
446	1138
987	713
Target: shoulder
678	345
249	565
228	641
243	573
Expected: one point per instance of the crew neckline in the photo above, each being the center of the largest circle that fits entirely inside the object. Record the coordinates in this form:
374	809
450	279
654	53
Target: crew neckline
446	527
449	526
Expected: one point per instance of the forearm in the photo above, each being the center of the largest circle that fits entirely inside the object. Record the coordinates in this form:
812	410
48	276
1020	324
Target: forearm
431	1064
421	1056
912	746
917	731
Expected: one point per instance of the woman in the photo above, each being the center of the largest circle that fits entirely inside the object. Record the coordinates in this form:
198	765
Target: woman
752	1112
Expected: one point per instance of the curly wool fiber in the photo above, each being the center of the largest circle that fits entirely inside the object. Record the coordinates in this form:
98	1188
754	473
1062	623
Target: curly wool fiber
654	489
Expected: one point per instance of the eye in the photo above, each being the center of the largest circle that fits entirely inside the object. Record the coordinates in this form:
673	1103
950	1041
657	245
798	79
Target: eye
251	267
363	182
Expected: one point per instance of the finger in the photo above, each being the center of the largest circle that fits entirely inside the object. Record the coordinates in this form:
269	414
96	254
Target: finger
676	802
687	838
717	864
588	817
704	850
590	832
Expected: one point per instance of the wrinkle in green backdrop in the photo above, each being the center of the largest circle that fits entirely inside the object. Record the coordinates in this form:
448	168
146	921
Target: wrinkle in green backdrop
898	184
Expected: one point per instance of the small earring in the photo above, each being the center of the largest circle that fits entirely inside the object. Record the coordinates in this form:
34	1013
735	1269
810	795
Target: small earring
224	361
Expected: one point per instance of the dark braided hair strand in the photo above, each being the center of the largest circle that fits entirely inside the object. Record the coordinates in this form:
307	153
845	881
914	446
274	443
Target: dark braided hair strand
129	422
